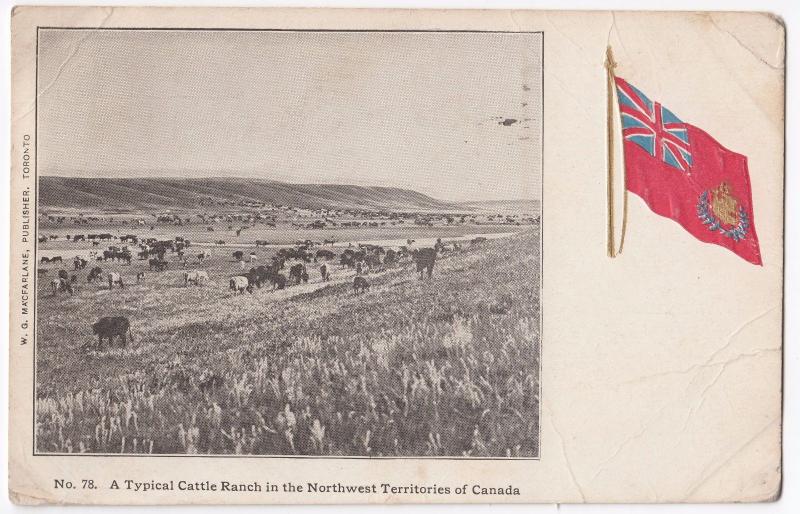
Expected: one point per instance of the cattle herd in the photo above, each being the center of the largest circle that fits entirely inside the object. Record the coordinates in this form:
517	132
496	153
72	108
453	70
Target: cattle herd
288	266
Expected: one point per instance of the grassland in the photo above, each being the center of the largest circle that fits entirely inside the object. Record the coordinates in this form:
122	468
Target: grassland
447	366
145	194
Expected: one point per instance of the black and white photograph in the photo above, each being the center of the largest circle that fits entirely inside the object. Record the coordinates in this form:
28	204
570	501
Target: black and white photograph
288	243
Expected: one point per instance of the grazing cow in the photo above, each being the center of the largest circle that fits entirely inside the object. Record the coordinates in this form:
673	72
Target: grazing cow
238	254
425	259
111	326
158	264
262	274
115	278
202	256
94	273
61	285
57	285
240	284
478	240
372	261
253	277
328	242
325	254
323	270
296	272
360	285
278	281
140	277
195	277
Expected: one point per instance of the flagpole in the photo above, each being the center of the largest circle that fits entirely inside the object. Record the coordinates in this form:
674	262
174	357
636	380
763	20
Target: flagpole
611	87
610	64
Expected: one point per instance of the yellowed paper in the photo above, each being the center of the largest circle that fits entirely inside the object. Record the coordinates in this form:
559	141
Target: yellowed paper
446	325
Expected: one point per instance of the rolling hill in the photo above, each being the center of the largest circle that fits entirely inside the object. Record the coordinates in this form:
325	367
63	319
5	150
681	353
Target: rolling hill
134	194
526	206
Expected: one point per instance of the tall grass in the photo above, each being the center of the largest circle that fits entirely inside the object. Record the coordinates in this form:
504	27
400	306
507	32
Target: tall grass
446	367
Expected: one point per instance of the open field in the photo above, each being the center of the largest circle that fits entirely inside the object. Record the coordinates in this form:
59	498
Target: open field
283	235
446	366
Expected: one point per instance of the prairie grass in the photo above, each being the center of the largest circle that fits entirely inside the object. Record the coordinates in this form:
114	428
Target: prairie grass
440	367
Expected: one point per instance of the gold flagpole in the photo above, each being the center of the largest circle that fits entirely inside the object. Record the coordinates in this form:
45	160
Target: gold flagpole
611	87
610	64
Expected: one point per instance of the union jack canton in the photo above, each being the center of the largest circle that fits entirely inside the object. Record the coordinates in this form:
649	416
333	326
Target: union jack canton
653	127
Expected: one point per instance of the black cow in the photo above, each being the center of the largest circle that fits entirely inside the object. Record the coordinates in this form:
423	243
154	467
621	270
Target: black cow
278	281
94	273
262	273
360	285
238	255
253	278
108	327
425	259
158	264
296	273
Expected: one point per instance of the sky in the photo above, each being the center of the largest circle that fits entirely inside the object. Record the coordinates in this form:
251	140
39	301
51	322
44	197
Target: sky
424	111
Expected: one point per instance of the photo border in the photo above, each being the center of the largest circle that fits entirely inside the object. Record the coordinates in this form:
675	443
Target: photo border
35	453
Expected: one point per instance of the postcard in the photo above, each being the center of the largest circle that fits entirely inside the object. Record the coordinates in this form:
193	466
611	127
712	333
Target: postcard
280	256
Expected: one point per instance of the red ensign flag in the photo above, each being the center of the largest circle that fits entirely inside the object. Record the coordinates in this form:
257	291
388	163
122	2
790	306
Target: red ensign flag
684	174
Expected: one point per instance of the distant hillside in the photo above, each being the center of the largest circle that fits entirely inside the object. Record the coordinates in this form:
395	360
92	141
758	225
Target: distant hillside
527	206
130	194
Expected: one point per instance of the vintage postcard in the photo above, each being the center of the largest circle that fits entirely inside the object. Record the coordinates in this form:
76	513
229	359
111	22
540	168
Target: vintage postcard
377	256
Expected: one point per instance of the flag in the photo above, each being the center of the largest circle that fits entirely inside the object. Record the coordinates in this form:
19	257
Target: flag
683	173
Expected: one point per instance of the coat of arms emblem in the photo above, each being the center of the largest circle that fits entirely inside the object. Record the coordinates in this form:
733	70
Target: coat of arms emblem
724	204
719	209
